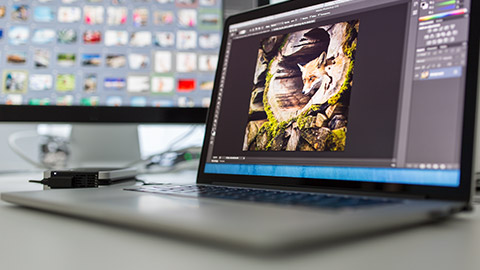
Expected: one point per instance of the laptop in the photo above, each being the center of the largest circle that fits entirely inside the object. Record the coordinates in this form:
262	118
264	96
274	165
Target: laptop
329	119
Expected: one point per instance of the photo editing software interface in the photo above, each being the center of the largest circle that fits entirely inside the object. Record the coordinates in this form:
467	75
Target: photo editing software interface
153	53
367	90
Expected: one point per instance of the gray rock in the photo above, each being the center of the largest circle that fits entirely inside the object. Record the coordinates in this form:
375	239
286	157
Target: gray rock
338	121
316	137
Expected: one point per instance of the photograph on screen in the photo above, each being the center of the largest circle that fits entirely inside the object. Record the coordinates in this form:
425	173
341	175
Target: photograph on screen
301	87
186	3
116	60
207	62
141	39
138	101
163	61
66	36
187	17
16	57
93	14
14	99
69	14
65	82
15	81
65	100
137	61
162	85
92	37
140	17
43	36
66	59
41	82
138	84
116	15
114	83
186	62
20	13
43	14
3	10
116	38
18	35
186	40
161	17
89	101
91	60
164	39
209	41
90	83
41	58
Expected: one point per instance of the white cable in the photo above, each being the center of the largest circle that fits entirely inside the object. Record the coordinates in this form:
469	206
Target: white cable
12	143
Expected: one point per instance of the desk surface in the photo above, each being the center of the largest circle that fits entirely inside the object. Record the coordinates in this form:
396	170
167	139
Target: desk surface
36	240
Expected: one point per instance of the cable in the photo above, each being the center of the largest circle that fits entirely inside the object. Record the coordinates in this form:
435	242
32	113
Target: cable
12	143
180	138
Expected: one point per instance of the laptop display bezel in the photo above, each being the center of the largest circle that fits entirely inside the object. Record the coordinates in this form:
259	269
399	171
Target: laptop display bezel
461	193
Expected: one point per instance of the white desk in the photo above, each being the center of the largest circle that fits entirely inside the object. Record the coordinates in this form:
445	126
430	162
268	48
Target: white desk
36	240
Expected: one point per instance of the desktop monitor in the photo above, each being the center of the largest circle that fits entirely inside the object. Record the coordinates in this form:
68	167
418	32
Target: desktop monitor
108	61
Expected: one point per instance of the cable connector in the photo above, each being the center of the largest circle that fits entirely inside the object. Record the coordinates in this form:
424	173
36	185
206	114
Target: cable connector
67	182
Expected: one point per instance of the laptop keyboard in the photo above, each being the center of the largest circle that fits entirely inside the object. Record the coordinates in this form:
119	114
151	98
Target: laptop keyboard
266	196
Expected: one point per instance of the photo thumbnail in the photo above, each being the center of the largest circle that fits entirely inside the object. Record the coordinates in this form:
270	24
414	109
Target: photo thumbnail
43	36
163	61
163	85
187	17
92	37
18	35
18	57
163	17
65	82
138	84
116	15
41	82
66	36
141	39
138	61
140	17
116	60
69	14
301	90
116	38
164	39
43	14
3	10
15	81
207	62
91	60
90	83
186	62
20	13
41	58
93	14
66	59
209	41
186	40
114	83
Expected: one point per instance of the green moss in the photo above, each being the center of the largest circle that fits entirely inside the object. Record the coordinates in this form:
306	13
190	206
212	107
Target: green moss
336	140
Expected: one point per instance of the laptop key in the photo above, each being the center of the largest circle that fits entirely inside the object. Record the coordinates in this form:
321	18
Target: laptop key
267	196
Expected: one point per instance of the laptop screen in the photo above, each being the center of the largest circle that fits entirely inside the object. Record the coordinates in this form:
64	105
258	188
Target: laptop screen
354	90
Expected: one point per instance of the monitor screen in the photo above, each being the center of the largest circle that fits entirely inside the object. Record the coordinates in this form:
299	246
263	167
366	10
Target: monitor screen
361	91
116	55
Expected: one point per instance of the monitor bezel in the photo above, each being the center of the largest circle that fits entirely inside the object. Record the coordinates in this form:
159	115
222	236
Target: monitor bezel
461	193
101	114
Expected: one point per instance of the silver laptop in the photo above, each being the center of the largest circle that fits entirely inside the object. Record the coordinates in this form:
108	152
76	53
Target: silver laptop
328	119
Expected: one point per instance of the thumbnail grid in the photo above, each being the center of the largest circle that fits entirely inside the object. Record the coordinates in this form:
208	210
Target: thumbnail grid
156	53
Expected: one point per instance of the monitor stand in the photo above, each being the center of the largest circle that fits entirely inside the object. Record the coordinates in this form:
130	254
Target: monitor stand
103	145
